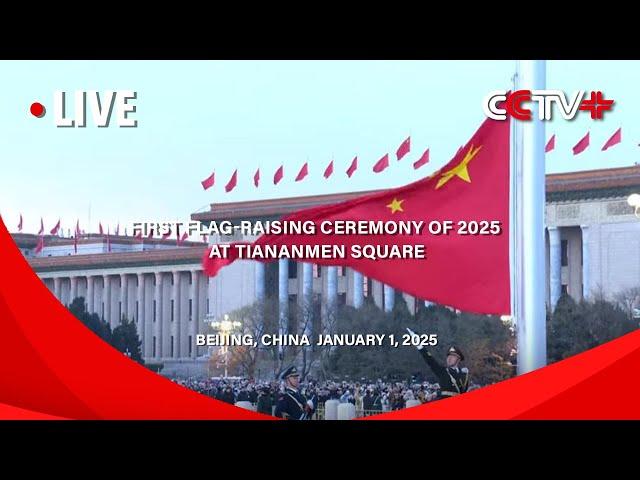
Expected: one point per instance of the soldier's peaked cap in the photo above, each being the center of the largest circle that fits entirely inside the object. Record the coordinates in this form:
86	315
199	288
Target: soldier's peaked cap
290	372
453	350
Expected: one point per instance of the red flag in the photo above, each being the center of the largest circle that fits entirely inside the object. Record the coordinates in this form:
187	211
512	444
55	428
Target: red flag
329	170
139	235
41	227
166	235
404	148
381	164
304	171
100	228
279	174
424	159
353	167
108	241
233	181
209	181
615	139
467	272
582	145
182	239
551	144
56	227
256	178
39	246
118	229
20	224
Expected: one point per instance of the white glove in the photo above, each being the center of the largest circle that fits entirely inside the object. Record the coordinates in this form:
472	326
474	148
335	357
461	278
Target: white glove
310	403
416	338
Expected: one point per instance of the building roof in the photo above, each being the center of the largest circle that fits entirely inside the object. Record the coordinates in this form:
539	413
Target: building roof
166	256
609	182
28	240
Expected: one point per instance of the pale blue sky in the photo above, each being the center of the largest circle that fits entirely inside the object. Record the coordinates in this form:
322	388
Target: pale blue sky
196	117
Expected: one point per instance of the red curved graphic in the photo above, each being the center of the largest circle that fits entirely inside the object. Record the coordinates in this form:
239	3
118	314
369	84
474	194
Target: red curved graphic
52	367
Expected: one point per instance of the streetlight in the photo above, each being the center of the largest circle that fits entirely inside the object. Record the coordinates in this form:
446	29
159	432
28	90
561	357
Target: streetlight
225	327
634	201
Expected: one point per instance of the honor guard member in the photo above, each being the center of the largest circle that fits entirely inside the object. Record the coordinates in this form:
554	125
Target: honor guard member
453	380
292	405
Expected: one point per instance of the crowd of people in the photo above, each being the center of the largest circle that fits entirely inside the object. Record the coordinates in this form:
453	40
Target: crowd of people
369	397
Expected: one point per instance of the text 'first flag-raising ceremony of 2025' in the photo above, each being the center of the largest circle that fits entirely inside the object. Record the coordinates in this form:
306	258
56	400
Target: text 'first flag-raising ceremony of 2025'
468	272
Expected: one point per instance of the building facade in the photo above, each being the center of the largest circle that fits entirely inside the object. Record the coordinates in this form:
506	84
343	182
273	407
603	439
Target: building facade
592	247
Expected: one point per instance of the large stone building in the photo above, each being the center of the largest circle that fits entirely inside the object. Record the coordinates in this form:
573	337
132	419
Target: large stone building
592	245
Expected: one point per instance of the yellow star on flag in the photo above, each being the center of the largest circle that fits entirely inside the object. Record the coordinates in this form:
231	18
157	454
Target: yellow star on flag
396	205
459	170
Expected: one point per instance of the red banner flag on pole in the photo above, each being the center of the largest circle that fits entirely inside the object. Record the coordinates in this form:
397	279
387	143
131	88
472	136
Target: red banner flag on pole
381	164
404	148
182	239
582	145
100	229
233	181
424	159
20	224
166	235
278	175
117	232
329	170
208	182
551	144
41	231
467	272
256	178
615	139
108	240
56	227
353	167
304	171
40	245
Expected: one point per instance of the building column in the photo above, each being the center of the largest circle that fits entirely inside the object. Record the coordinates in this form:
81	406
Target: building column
73	288
555	266
106	298
124	295
586	286
195	311
259	277
307	297
142	318
90	295
57	288
332	289
175	327
389	298
283	294
358	289
157	326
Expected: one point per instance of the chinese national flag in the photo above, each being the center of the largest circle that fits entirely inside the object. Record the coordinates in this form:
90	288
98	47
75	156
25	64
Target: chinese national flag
551	144
582	145
41	231
353	167
424	159
304	171
39	246
403	149
278	175
615	139
381	164
209	181
329	170
233	181
466	271
56	227
256	178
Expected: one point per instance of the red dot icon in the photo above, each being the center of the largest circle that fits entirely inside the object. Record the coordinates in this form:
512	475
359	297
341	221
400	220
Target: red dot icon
37	110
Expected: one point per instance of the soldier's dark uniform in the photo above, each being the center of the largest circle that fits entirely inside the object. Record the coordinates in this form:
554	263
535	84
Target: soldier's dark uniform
453	380
292	405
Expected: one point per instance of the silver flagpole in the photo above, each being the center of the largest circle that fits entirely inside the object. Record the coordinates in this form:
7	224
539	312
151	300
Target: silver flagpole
528	185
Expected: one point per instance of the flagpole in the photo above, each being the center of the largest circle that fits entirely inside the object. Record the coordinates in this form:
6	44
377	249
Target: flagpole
528	185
